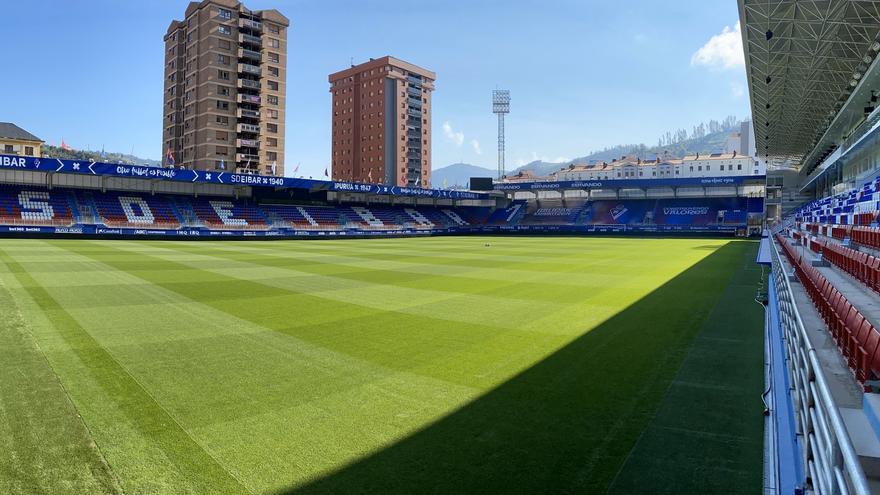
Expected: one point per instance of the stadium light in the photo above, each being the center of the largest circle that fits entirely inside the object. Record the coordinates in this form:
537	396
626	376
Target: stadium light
500	107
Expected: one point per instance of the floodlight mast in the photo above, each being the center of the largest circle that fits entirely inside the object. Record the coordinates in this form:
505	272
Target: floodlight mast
500	107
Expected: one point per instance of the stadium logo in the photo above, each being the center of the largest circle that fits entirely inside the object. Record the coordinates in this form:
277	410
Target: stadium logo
618	211
8	161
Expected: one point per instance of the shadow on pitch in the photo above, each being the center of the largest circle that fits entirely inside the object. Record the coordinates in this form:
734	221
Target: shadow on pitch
566	424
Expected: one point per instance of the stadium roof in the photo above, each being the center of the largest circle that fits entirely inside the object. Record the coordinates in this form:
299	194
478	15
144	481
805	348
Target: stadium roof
805	62
11	131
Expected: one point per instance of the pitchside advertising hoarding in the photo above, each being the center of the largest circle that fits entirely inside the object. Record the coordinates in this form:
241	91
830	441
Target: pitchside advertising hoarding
55	165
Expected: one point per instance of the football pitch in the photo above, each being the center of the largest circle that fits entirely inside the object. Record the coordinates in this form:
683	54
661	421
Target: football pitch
416	365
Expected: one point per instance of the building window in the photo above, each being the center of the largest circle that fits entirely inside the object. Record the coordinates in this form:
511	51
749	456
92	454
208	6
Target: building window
274	58
273	128
273	85
223	74
224	14
221	150
271	141
223	90
272	100
223	59
739	166
8	148
222	105
224	30
273	43
225	45
271	155
220	135
273	71
274	29
222	120
273	114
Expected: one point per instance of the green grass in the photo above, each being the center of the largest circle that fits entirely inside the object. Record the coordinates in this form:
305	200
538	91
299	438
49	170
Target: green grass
432	365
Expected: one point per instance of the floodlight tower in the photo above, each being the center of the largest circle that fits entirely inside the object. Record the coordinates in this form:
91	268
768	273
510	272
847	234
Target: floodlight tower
500	107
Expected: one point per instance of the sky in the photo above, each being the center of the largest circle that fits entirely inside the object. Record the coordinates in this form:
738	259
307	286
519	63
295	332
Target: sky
583	74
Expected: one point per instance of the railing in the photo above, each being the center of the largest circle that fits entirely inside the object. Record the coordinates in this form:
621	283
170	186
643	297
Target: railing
251	54
249	99
831	463
249	69
248	38
251	114
250	24
247	83
248	128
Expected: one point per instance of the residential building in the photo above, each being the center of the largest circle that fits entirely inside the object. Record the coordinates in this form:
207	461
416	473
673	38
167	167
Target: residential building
225	84
381	130
631	167
16	141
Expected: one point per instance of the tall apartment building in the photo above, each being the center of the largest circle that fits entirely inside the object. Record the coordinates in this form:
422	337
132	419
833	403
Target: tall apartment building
382	123
225	73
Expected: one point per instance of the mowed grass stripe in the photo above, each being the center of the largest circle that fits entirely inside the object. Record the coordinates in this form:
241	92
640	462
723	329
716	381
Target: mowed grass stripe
587	306
707	434
219	389
369	333
44	445
198	471
567	423
309	373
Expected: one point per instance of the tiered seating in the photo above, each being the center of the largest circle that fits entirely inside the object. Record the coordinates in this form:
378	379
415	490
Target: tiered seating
857	339
326	217
866	236
120	209
858	206
229	214
34	206
862	266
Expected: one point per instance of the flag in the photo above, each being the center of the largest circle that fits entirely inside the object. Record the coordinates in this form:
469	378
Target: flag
64	145
222	165
326	172
274	166
370	176
296	169
170	157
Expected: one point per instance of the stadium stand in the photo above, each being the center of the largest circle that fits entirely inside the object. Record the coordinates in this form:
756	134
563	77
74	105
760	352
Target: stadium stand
68	207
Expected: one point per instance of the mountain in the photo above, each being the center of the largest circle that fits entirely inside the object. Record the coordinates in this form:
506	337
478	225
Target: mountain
712	142
457	175
95	156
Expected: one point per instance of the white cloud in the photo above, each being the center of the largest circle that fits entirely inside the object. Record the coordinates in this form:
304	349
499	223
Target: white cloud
737	89
455	137
722	51
476	145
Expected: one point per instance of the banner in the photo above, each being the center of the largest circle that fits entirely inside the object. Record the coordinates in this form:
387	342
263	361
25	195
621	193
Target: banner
634	183
55	165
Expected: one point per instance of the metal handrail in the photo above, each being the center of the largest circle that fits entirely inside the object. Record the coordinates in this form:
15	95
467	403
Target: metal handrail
831	462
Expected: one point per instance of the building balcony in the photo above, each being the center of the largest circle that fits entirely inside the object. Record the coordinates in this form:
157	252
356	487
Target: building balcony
250	69
414	102
249	99
417	93
250	24
248	114
413	113
250	39
247	143
413	82
248	83
245	157
250	54
248	128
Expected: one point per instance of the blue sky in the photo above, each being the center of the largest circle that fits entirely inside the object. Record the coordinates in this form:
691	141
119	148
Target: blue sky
583	74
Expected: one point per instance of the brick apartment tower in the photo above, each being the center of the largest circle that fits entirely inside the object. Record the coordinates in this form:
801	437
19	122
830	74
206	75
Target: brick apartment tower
382	123
225	73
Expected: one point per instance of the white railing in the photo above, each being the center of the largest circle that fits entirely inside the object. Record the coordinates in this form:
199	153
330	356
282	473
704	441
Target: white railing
832	466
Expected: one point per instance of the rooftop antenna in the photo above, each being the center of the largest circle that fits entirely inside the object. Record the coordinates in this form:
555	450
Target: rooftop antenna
500	107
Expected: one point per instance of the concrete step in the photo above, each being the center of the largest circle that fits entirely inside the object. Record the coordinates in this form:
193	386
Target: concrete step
864	440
